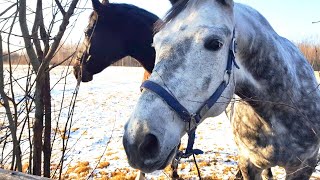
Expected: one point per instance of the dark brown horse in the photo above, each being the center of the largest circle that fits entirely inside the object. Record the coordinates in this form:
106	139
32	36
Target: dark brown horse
115	31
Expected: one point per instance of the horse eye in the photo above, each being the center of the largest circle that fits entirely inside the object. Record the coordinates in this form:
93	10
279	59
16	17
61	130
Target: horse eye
213	44
88	32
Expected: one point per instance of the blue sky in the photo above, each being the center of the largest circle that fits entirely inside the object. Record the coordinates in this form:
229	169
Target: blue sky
290	18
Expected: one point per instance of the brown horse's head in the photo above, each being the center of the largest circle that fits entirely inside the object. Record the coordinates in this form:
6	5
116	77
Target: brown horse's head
114	32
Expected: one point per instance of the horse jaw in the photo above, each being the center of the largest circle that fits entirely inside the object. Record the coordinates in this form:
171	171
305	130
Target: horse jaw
190	73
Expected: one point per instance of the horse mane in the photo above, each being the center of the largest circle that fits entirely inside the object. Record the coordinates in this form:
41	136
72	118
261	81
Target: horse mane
135	12
173	1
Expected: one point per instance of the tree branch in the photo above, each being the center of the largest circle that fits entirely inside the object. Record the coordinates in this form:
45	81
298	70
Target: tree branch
63	12
26	37
35	28
57	38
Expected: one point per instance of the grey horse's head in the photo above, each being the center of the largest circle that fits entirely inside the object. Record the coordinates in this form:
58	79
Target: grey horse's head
191	57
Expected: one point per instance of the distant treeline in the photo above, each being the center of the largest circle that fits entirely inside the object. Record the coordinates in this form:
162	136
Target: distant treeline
310	51
66	56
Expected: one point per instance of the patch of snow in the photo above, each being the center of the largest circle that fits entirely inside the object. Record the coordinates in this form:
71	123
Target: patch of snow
103	106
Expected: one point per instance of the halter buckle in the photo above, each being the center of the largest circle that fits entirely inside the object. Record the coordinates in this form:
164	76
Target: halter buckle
227	76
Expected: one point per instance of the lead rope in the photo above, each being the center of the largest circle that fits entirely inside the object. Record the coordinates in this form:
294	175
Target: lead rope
188	152
195	162
191	139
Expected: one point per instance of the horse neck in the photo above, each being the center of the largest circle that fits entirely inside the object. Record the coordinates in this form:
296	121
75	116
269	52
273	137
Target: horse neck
138	36
144	54
273	76
139	45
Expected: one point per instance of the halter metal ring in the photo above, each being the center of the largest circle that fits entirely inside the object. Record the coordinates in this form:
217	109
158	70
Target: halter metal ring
192	123
233	46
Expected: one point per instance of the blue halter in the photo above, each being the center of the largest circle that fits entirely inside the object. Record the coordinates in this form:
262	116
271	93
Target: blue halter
194	118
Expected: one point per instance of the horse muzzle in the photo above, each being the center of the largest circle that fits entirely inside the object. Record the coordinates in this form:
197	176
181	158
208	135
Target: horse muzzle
79	70
145	154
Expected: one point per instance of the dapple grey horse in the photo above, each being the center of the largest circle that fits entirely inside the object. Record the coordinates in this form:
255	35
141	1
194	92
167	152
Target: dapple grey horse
277	122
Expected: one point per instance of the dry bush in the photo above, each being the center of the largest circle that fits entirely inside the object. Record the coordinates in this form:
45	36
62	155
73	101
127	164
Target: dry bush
127	61
63	56
311	52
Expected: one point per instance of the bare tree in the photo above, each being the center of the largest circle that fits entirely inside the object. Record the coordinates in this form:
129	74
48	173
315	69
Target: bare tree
40	57
12	125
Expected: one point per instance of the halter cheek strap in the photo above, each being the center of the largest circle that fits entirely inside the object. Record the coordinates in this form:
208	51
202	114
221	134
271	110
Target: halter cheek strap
193	119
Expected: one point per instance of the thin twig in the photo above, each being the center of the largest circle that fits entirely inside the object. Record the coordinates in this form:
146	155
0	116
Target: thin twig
105	149
6	10
58	64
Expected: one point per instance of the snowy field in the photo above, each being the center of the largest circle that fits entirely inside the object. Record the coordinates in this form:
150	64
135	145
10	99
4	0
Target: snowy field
95	143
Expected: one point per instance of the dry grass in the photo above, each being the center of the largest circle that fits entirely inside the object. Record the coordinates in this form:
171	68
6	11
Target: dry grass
103	164
79	171
122	174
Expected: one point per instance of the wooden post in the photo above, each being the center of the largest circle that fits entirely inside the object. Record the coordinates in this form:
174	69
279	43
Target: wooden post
14	175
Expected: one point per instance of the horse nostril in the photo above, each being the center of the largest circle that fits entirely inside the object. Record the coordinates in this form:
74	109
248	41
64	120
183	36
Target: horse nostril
149	148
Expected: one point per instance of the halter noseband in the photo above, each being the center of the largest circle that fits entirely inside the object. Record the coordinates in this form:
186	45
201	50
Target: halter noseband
192	119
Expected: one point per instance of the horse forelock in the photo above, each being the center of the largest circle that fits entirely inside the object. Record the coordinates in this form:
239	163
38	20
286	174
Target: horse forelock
176	9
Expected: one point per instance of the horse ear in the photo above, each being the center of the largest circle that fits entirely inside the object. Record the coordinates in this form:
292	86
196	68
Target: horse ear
173	2
97	6
226	2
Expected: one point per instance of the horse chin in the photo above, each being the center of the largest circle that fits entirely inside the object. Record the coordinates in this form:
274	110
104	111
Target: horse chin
169	159
158	165
87	77
80	70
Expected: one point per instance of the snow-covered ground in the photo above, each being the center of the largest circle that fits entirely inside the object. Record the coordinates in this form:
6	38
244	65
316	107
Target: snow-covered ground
95	143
